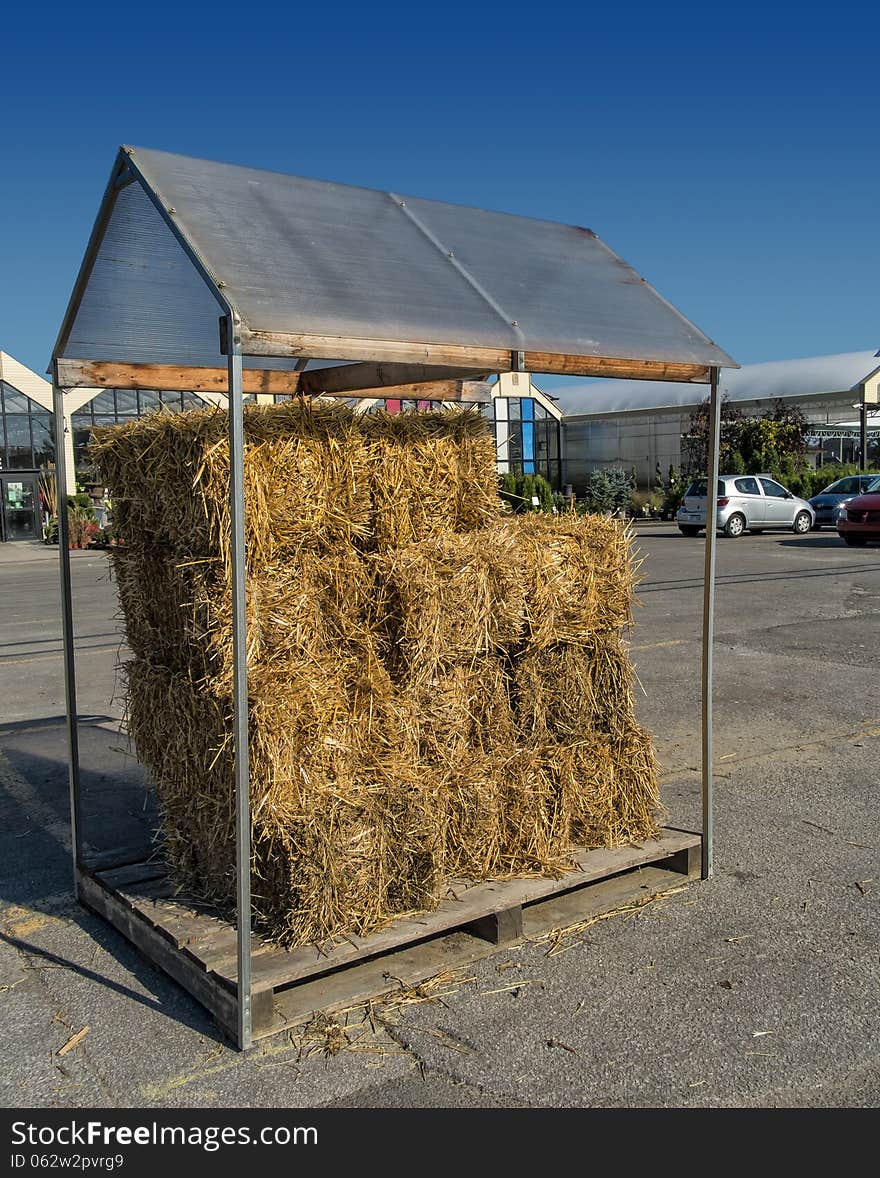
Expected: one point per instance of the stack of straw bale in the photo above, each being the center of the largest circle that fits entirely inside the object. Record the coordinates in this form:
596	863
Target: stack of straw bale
436	689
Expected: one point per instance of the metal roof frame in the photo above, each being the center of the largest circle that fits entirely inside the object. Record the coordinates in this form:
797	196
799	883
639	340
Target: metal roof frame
584	312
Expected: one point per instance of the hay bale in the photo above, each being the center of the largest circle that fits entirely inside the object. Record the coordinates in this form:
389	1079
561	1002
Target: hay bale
178	612
522	584
305	480
435	690
562	692
613	783
430	474
465	707
579	576
452	598
316	476
341	840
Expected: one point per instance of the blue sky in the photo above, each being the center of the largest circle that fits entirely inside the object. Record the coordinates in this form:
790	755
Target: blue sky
729	153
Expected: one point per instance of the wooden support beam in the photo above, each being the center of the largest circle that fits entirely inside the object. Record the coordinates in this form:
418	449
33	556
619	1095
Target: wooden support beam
345	378
102	374
468	392
105	374
273	343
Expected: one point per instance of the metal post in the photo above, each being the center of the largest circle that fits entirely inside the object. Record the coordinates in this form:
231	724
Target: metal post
714	442
240	680
863	436
67	635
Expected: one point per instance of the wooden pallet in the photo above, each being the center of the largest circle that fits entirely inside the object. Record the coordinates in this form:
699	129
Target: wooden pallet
198	949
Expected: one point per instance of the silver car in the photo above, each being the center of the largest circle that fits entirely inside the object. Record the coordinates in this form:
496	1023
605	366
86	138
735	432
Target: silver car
749	501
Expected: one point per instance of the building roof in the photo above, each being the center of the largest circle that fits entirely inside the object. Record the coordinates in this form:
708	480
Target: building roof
309	260
812	376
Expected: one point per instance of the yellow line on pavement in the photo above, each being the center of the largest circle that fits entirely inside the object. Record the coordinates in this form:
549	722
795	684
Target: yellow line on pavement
654	645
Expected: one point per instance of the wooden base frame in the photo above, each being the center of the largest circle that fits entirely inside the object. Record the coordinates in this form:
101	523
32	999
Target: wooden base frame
198	950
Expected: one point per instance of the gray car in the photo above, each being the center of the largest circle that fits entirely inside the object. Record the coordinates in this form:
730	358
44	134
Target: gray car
749	501
827	503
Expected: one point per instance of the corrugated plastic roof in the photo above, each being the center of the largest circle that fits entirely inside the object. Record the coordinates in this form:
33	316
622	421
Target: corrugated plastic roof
302	256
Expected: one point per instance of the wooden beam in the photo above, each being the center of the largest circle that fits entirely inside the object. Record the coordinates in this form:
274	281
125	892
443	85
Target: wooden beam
469	392
333	347
617	369
101	374
326	347
346	377
105	374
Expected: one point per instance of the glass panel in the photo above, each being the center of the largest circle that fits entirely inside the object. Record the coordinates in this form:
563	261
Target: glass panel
19	455
105	419
104	402
503	467
773	490
540	412
126	403
528	440
192	401
173	400
516	444
502	449
528	410
513	408
18	509
81	435
501	408
553	440
81	420
528	467
148	400
44	438
14	402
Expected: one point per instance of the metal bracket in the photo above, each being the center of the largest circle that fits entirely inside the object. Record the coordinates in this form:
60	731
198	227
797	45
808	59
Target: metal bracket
517	361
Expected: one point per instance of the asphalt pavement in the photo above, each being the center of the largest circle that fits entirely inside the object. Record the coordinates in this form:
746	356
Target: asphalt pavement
755	988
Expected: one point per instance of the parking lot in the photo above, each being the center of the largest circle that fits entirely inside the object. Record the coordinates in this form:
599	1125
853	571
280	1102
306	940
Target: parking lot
756	988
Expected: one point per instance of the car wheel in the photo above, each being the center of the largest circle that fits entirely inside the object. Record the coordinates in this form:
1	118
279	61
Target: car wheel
688	530
735	526
856	541
802	523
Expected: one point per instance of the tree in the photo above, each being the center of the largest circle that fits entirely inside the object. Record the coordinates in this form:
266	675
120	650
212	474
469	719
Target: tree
775	442
695	443
610	489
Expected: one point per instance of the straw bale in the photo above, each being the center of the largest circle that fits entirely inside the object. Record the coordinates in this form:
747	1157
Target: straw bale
436	690
342	841
178	613
465	707
316	475
452	598
579	576
562	692
430	473
613	782
522	584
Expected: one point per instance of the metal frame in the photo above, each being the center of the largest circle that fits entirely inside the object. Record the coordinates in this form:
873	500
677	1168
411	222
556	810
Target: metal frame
707	661
234	335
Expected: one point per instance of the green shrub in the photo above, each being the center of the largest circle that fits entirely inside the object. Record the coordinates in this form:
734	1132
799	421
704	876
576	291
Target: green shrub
519	490
610	489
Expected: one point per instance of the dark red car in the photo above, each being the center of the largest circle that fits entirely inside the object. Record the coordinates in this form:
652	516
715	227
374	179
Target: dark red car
859	518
